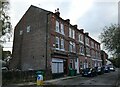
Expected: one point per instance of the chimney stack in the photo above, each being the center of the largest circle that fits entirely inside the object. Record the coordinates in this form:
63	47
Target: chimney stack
75	26
87	34
82	30
57	12
67	20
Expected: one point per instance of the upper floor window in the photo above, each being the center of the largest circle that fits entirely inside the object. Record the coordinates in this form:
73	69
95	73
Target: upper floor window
21	32
80	38
57	46
92	53
71	33
97	54
88	51
82	49
57	26
87	41
28	28
62	29
74	50
72	47
96	46
62	44
59	43
92	44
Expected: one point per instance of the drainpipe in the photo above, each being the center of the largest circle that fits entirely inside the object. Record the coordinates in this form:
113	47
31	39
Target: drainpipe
46	39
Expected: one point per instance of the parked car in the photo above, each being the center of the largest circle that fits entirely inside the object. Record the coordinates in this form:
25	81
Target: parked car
112	68
94	72
89	72
107	69
86	72
100	70
4	69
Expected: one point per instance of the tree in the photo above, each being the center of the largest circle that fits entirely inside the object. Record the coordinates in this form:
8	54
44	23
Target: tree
5	55
5	30
110	38
5	25
115	61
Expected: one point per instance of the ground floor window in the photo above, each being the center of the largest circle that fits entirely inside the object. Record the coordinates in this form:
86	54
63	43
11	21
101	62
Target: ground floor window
57	65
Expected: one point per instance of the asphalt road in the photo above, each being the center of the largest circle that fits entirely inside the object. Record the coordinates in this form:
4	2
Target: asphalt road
107	79
104	80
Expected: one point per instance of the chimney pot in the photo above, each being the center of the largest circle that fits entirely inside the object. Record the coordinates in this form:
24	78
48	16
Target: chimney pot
67	20
75	26
57	12
82	30
87	34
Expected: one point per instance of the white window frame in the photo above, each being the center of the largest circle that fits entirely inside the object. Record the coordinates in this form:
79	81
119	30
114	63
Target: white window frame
74	49
70	31
70	46
88	51
57	65
92	44
28	28
92	53
57	41
73	32
95	46
62	29
57	27
21	32
62	44
82	50
87	41
80	38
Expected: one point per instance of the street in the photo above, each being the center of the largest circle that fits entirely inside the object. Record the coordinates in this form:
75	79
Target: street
106	79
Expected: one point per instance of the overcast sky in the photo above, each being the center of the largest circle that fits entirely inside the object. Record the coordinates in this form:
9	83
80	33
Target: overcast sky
91	15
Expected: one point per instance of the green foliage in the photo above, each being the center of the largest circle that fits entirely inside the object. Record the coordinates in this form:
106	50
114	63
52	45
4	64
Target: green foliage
5	21
115	62
111	38
5	54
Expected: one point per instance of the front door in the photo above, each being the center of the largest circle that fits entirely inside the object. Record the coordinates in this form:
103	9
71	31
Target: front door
65	66
76	65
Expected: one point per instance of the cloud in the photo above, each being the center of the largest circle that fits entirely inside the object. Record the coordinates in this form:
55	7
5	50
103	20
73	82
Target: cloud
92	15
79	8
100	15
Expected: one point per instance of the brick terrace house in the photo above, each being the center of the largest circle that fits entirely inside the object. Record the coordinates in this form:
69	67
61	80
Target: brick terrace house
43	40
104	57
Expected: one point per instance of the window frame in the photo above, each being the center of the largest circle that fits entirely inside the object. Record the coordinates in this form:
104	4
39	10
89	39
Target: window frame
57	28
57	42
62	47
62	28
81	50
20	32
28	28
80	37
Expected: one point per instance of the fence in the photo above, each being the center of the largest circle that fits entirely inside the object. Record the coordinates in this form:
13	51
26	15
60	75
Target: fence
18	76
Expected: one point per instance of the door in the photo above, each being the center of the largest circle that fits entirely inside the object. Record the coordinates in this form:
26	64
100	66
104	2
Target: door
77	65
65	66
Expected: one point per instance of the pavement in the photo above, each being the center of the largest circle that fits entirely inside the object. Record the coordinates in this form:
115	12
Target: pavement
46	82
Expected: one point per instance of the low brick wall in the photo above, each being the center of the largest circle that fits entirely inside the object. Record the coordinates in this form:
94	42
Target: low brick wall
9	77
